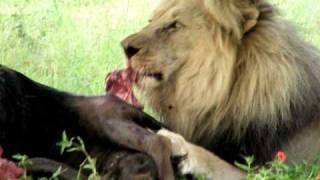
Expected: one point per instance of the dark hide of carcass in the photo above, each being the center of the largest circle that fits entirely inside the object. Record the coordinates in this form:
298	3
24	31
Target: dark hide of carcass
121	137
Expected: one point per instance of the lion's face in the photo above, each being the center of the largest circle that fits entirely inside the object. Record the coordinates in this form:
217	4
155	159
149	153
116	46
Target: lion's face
186	58
175	37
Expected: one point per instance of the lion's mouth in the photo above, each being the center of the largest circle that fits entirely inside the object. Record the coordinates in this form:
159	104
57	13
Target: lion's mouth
157	76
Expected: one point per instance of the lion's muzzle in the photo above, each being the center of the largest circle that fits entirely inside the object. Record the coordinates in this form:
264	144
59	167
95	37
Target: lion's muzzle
132	45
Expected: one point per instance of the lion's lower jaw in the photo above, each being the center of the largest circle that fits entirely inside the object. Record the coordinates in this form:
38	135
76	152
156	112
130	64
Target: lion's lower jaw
147	84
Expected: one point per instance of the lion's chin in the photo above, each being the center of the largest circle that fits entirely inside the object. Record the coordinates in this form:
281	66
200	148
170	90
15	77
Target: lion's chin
146	82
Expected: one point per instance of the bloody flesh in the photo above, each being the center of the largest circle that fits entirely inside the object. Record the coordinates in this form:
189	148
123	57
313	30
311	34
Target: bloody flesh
120	83
8	169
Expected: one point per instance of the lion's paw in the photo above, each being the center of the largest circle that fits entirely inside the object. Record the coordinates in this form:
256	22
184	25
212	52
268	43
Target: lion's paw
180	149
179	144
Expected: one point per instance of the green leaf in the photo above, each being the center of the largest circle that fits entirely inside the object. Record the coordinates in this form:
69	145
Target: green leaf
65	143
74	149
23	160
242	167
56	173
87	166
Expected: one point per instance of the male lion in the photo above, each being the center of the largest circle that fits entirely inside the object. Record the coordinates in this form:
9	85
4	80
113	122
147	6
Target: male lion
231	76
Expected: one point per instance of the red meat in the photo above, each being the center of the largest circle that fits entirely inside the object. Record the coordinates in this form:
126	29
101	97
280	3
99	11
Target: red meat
8	169
120	83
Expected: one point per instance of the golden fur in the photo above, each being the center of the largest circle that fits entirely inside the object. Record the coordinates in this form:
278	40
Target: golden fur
229	68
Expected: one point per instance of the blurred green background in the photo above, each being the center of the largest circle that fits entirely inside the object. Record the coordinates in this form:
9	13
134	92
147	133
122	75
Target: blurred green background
72	44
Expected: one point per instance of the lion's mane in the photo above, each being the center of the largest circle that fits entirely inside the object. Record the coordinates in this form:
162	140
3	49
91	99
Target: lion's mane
263	90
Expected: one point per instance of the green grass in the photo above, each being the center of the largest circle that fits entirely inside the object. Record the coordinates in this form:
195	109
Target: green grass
278	170
68	44
305	14
72	44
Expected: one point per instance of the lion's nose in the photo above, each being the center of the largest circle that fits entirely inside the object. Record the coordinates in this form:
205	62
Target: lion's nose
130	47
131	51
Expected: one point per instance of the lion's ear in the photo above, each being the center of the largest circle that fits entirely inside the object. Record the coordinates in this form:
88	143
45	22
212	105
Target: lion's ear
250	14
234	13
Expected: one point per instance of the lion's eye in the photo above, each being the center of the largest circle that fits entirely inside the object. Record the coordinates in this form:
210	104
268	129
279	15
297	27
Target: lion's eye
170	27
